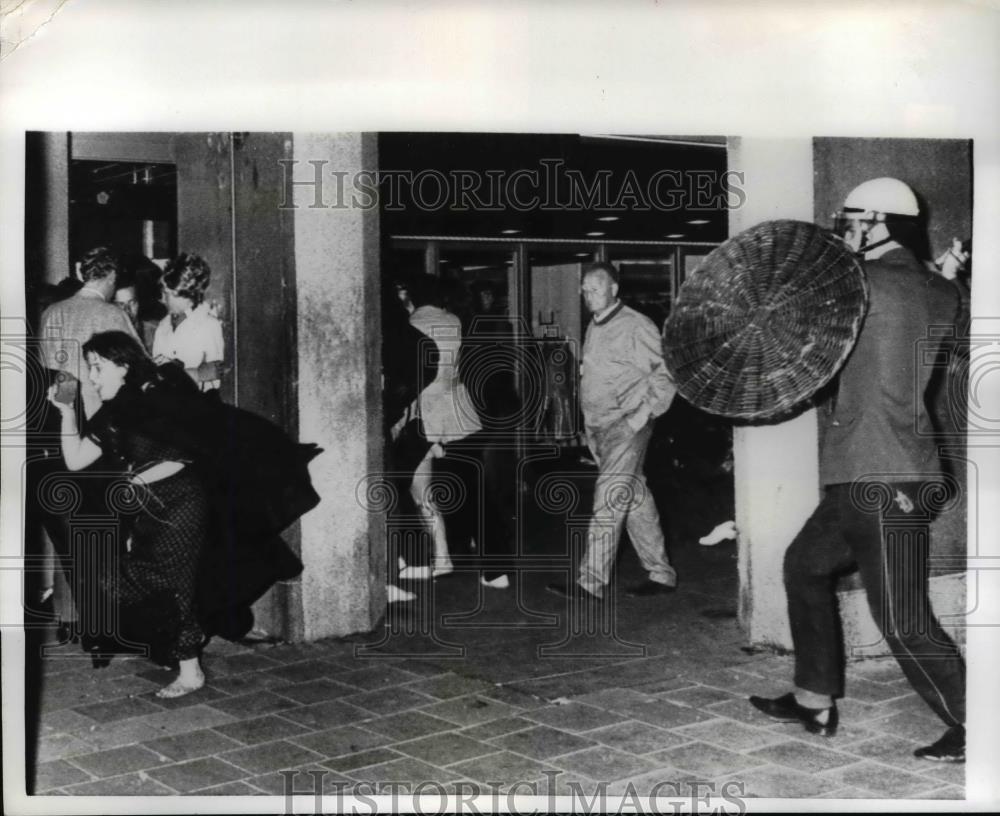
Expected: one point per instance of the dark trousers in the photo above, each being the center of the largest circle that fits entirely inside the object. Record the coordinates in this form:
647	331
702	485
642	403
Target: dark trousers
485	464
887	538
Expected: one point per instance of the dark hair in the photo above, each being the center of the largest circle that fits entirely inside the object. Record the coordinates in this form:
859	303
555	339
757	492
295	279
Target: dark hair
97	264
125	280
145	276
188	276
423	289
124	350
601	266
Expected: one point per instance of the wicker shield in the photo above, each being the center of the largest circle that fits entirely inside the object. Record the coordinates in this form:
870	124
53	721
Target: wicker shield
765	321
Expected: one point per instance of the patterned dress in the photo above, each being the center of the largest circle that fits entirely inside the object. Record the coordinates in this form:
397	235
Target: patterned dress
155	584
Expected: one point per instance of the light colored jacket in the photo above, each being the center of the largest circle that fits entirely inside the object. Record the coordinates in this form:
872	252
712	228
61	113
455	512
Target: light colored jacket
67	325
624	376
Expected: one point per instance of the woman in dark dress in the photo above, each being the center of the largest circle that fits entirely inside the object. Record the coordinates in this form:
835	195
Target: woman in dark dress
156	582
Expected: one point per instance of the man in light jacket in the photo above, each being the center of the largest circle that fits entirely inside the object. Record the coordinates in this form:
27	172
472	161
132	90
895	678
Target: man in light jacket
624	387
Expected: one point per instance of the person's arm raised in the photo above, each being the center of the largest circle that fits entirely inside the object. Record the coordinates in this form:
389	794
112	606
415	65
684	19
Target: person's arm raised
78	451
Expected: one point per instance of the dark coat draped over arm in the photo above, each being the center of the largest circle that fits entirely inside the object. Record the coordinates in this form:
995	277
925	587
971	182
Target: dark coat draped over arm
258	484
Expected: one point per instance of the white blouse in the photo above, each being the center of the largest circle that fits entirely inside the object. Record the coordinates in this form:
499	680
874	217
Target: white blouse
196	340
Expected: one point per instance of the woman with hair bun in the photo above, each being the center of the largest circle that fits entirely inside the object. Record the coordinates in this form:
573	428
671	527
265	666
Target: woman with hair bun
190	332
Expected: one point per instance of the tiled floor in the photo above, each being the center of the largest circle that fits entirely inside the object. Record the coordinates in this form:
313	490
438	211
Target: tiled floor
475	686
677	715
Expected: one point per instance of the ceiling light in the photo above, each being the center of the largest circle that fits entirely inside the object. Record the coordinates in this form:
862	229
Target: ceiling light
676	235
698	221
608	218
594	234
582	254
509	232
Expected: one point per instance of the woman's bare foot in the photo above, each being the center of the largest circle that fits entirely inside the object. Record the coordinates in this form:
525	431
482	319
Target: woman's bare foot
190	679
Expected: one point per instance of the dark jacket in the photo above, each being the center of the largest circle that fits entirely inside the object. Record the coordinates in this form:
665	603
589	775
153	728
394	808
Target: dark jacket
878	422
257	482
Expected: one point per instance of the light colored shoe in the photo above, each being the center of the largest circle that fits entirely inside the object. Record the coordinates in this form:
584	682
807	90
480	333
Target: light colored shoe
426	572
393	594
501	582
722	532
443	568
415	573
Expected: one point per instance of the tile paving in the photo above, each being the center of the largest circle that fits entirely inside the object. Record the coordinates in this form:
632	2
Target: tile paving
705	760
569	725
542	742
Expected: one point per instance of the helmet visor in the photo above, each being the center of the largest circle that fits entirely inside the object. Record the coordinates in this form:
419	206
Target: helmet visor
851	226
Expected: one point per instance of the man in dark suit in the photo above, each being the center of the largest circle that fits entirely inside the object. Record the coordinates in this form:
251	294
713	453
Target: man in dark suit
881	475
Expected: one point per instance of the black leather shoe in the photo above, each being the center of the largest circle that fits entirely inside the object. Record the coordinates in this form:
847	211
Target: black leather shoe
648	589
787	709
950	748
575	591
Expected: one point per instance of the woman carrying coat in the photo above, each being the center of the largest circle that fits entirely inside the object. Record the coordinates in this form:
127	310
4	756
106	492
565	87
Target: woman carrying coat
158	571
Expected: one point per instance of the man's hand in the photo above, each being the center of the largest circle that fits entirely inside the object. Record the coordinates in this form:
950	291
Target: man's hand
953	260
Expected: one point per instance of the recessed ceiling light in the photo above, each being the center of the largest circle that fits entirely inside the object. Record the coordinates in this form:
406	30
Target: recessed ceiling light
676	235
582	254
608	218
698	221
594	234
509	232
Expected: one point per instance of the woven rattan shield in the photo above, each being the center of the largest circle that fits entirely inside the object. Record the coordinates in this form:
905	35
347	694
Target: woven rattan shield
765	321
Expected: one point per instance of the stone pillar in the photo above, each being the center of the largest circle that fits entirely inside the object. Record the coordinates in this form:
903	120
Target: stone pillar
337	282
47	206
776	468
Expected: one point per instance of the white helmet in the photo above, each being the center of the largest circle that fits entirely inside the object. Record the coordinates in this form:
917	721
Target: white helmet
883	195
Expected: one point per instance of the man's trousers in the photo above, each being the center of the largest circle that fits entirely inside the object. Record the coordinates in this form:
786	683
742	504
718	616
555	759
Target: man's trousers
622	498
884	529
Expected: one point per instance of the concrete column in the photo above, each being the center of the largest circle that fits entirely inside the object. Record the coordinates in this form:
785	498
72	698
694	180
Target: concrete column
776	467
337	281
47	206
